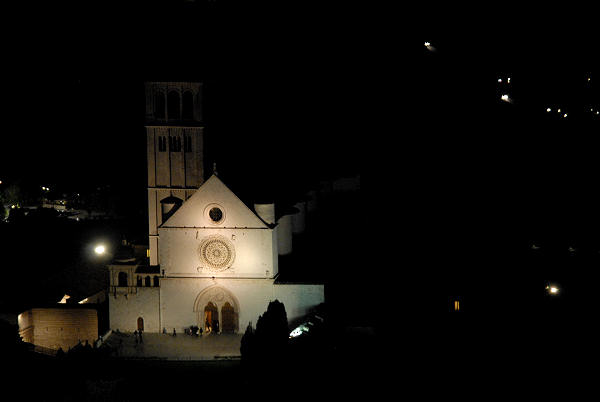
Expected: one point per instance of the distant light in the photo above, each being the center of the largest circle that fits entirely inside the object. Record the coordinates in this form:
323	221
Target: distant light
552	289
100	249
558	110
508	80
13	206
64	299
565	115
429	47
548	110
499	79
301	329
505	98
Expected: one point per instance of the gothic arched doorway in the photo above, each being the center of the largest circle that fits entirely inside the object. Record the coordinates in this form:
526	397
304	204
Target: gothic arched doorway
140	324
218	307
211	317
228	318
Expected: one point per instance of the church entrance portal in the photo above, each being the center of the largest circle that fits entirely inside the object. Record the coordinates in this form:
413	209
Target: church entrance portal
228	318
211	318
218	310
140	324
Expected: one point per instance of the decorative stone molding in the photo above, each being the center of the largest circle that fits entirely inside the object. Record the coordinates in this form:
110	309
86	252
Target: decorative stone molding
216	253
219	297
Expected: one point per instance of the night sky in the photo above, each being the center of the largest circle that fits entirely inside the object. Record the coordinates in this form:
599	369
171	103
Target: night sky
295	93
279	106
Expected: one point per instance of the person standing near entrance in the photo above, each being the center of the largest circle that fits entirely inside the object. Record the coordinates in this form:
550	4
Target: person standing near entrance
135	334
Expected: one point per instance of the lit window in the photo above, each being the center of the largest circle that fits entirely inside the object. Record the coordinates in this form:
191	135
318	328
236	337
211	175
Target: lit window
456	305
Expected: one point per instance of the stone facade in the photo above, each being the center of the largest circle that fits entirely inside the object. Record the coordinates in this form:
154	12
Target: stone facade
228	258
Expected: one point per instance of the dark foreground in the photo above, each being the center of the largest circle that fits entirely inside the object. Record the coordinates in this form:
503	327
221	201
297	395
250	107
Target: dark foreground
454	361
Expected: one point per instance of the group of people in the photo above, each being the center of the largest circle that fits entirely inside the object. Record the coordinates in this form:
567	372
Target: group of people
138	336
212	326
192	330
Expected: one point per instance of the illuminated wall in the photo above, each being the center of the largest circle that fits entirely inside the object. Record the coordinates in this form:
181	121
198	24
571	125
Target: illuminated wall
250	243
58	327
179	298
125	309
175	147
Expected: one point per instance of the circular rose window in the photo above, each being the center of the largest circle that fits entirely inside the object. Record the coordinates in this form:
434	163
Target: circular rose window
216	253
216	215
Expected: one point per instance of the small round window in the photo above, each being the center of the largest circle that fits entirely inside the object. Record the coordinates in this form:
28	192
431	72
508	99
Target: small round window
215	214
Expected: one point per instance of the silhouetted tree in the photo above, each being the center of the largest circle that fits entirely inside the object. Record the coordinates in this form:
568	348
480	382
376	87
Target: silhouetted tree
247	346
272	334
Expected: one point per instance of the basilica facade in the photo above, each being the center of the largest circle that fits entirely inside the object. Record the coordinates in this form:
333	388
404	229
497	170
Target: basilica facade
212	260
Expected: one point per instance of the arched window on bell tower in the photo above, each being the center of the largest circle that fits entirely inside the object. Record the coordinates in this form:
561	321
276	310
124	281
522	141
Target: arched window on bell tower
159	106
173	106
123	279
188	106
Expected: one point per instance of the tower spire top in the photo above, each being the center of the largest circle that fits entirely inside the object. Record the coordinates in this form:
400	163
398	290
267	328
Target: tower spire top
215	168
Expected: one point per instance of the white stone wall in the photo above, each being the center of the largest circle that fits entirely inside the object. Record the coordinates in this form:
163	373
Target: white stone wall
252	296
255	250
298	299
124	310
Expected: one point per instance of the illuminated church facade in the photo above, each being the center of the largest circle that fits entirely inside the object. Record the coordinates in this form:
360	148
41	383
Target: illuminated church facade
212	261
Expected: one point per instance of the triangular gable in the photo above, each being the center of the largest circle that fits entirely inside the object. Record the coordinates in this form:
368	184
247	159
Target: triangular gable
213	193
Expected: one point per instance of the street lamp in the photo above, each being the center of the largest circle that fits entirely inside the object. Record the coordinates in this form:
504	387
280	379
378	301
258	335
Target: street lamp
100	249
552	290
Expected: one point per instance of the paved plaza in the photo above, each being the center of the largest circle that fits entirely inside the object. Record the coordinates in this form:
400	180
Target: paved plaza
180	347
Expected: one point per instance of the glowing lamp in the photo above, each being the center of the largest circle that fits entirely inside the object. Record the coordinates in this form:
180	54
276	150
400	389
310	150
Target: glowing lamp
100	249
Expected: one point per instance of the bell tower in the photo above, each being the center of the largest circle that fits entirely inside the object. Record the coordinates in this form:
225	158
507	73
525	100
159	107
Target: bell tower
175	138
